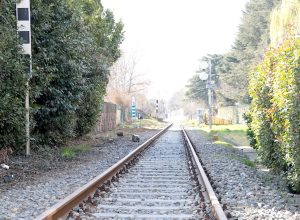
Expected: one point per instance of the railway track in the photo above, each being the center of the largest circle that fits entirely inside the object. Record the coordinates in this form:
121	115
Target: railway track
162	182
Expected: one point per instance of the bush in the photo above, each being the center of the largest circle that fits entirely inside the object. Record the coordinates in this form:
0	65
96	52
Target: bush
250	133
12	81
73	45
275	110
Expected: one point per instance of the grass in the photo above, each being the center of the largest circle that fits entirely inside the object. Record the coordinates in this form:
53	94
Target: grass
191	123
147	123
71	152
245	161
223	143
227	136
233	134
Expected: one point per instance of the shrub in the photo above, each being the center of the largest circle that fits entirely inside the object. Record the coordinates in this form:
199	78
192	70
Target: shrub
275	110
12	80
73	45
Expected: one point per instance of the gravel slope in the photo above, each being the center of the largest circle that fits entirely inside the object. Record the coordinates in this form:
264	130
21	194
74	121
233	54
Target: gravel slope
26	201
248	193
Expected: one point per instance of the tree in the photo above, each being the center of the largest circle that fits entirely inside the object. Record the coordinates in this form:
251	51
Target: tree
249	46
106	36
196	89
60	45
285	21
274	117
177	101
12	80
74	43
125	81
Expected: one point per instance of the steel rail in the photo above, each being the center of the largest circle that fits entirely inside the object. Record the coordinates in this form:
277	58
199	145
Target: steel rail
218	212
64	206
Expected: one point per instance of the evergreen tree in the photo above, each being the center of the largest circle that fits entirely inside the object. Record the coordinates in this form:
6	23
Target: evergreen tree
73	45
12	80
106	35
251	41
59	51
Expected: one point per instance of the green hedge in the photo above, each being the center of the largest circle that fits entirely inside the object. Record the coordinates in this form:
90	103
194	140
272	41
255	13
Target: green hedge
12	80
275	110
73	45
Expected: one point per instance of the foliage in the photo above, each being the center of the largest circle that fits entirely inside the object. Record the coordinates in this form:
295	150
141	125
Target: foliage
59	52
285	19
12	80
67	153
250	133
234	134
71	152
73	46
244	161
251	41
274	88
223	143
106	36
196	89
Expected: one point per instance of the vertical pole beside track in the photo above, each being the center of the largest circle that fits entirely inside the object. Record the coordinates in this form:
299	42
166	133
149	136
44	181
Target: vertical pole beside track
24	32
210	96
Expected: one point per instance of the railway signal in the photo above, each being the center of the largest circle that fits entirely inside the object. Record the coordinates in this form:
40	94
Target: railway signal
210	86
24	32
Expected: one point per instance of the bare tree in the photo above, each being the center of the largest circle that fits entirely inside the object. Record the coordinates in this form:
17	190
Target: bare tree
125	81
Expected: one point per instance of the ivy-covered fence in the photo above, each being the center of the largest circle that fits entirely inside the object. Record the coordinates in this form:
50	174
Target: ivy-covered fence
274	118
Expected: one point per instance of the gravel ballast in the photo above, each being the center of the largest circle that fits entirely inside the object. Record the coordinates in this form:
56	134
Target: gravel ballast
28	200
246	192
158	186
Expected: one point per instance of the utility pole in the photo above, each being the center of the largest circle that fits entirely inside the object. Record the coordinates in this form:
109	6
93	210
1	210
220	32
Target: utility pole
209	86
24	32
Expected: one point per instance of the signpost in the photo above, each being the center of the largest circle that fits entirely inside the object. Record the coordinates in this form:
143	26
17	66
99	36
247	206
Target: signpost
24	31
133	108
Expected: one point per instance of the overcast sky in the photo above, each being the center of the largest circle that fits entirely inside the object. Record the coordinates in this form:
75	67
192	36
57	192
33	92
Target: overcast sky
169	36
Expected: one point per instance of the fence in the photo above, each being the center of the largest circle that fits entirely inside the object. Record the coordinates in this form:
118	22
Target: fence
111	116
108	118
233	114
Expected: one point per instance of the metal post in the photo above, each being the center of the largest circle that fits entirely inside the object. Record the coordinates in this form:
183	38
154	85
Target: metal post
210	96
24	31
156	109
